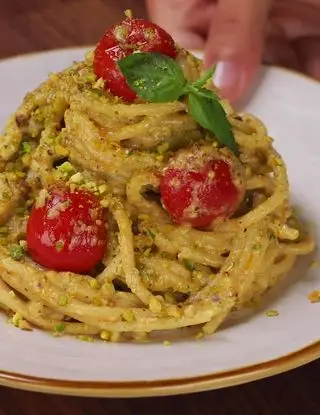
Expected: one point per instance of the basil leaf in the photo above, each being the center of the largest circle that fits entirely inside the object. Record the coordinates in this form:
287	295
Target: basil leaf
205	108
204	78
153	76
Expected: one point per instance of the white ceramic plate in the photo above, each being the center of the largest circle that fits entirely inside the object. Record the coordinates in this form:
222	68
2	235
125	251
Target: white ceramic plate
244	350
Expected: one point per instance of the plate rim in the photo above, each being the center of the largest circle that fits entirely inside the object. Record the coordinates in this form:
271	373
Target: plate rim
160	387
163	387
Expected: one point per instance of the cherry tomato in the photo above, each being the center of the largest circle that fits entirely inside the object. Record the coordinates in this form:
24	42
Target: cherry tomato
67	232
202	184
122	40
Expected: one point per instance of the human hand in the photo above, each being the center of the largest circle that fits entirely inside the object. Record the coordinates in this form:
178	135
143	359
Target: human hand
239	34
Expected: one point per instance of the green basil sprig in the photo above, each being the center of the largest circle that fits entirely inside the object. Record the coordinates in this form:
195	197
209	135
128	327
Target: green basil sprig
158	78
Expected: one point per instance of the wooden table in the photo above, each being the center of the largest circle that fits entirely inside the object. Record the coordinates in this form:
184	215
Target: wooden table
32	25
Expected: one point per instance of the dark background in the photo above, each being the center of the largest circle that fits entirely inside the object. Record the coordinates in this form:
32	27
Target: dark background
33	25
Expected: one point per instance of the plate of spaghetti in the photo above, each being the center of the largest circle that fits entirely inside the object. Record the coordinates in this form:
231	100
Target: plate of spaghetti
153	239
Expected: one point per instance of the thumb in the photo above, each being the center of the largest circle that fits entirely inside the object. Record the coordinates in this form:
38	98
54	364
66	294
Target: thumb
235	43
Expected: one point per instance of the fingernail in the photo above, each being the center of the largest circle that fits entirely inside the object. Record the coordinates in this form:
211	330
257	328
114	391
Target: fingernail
230	78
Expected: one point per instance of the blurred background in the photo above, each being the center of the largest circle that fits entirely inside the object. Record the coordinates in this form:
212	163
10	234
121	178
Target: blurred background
34	25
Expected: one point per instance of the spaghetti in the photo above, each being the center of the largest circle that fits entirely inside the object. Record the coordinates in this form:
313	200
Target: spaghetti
156	275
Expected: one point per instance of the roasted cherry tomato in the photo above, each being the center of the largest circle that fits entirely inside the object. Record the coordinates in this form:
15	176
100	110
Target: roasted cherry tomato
122	40
67	231
202	184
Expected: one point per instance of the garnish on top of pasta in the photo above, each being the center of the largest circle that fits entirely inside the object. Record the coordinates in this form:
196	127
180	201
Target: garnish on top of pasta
135	200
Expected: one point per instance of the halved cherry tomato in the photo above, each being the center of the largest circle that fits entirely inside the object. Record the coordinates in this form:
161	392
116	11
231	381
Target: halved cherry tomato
202	184
67	232
122	40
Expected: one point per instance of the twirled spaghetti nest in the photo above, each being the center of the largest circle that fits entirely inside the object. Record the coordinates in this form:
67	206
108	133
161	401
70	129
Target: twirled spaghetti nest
156	275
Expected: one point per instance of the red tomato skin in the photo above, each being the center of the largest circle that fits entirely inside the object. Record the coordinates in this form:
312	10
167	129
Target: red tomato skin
122	40
200	194
68	232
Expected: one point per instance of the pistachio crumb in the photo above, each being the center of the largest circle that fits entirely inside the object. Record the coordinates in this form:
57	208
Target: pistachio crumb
61	151
199	335
94	284
76	178
314	296
59	327
16	252
86	338
59	246
105	335
63	300
128	315
16	319
272	313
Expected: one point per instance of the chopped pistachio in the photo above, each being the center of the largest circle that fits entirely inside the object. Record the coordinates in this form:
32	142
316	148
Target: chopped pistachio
25	148
99	84
61	151
105	335
23	244
314	296
41	199
150	233
26	160
58	328
90	185
128	13
29	202
103	188
128	315
121	33
129	152
59	246
94	284
199	335
189	265
25	325
155	305
272	313
63	300
162	148
16	319
97	301
20	174
149	33
16	252
86	338
91	78
66	167
77	178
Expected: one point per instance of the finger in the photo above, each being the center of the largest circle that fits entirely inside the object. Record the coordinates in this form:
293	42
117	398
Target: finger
184	20
308	50
235	42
